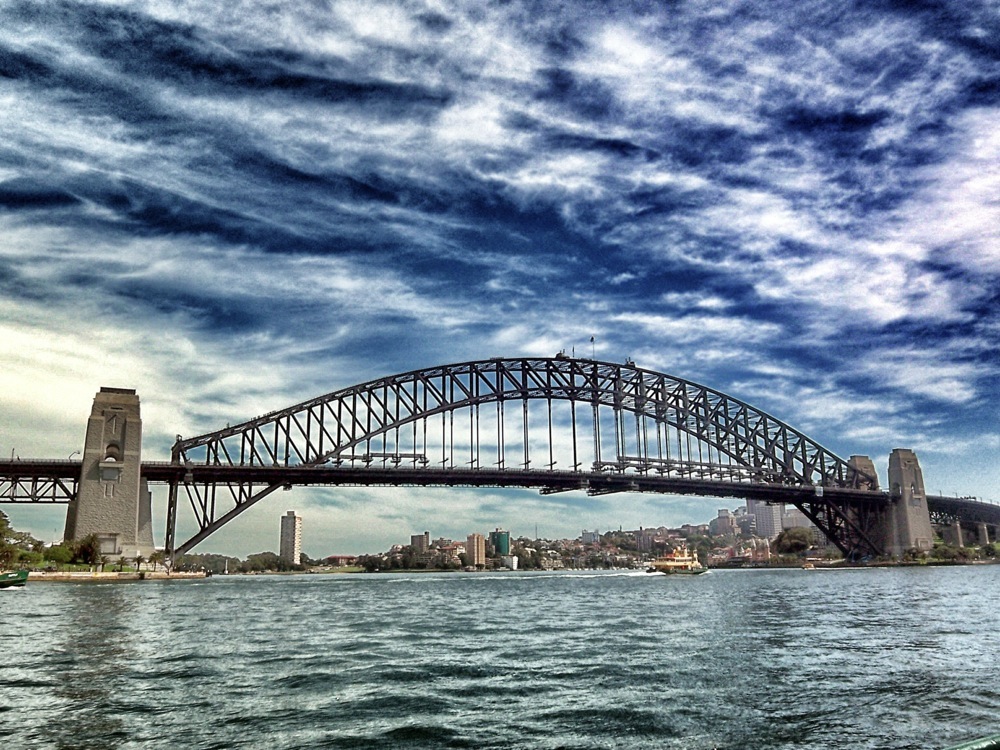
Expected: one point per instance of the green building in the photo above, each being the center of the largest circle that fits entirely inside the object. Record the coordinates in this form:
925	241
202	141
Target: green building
500	541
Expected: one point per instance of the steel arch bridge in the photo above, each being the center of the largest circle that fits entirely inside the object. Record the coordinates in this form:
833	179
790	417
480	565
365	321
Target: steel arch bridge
555	423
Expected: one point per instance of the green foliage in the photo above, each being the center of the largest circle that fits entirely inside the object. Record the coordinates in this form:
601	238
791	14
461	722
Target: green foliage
266	561
60	554
215	564
8	554
949	553
87	550
157	558
621	540
17	548
30	559
793	541
371	563
527	560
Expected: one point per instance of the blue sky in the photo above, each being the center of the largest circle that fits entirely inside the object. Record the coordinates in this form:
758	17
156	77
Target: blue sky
235	207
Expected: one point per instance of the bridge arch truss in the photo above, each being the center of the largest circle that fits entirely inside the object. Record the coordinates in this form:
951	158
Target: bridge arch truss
553	423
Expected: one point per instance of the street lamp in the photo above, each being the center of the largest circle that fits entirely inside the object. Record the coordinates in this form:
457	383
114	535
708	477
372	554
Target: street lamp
74	453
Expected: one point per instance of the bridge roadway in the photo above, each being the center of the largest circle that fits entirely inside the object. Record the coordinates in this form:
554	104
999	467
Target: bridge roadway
54	480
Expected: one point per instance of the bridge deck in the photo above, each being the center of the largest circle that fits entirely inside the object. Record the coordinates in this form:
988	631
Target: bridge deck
20	471
550	481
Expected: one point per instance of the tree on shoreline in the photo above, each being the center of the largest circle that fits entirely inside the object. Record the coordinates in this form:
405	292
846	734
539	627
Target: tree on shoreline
157	558
794	541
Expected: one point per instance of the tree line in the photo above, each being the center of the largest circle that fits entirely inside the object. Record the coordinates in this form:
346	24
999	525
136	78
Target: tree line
19	549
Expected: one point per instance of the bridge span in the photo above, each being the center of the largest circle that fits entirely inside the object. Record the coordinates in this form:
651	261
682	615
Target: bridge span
556	424
41	481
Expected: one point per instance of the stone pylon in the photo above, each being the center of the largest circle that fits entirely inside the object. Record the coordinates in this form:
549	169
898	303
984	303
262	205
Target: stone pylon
113	501
909	518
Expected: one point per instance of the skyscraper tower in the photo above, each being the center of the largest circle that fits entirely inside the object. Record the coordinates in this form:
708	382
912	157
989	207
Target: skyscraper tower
290	548
500	541
768	518
475	548
421	542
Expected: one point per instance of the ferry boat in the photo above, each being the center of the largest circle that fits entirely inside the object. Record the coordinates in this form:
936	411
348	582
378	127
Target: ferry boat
11	578
679	561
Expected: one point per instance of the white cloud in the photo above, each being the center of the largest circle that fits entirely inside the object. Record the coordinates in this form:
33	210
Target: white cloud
958	212
690	329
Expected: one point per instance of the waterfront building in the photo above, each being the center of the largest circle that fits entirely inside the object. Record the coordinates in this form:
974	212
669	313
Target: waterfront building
475	549
421	542
290	544
500	542
509	561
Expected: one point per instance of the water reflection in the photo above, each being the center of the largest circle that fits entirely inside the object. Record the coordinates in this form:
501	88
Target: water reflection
94	651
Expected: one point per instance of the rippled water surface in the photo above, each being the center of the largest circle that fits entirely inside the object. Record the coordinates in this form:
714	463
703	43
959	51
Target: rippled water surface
881	658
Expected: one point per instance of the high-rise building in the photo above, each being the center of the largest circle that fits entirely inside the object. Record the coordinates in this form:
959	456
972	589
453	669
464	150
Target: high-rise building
590	537
421	542
767	518
290	547
500	541
475	549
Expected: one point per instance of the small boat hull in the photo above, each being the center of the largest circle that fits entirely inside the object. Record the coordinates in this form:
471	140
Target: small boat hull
13	578
984	743
678	571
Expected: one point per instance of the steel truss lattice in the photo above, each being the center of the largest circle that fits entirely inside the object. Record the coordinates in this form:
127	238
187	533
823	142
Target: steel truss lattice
555	423
39	481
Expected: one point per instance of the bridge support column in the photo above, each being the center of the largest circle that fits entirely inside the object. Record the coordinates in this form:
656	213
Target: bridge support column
955	536
113	501
909	518
984	534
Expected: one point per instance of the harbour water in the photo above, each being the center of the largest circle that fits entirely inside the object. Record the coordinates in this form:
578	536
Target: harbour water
874	658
